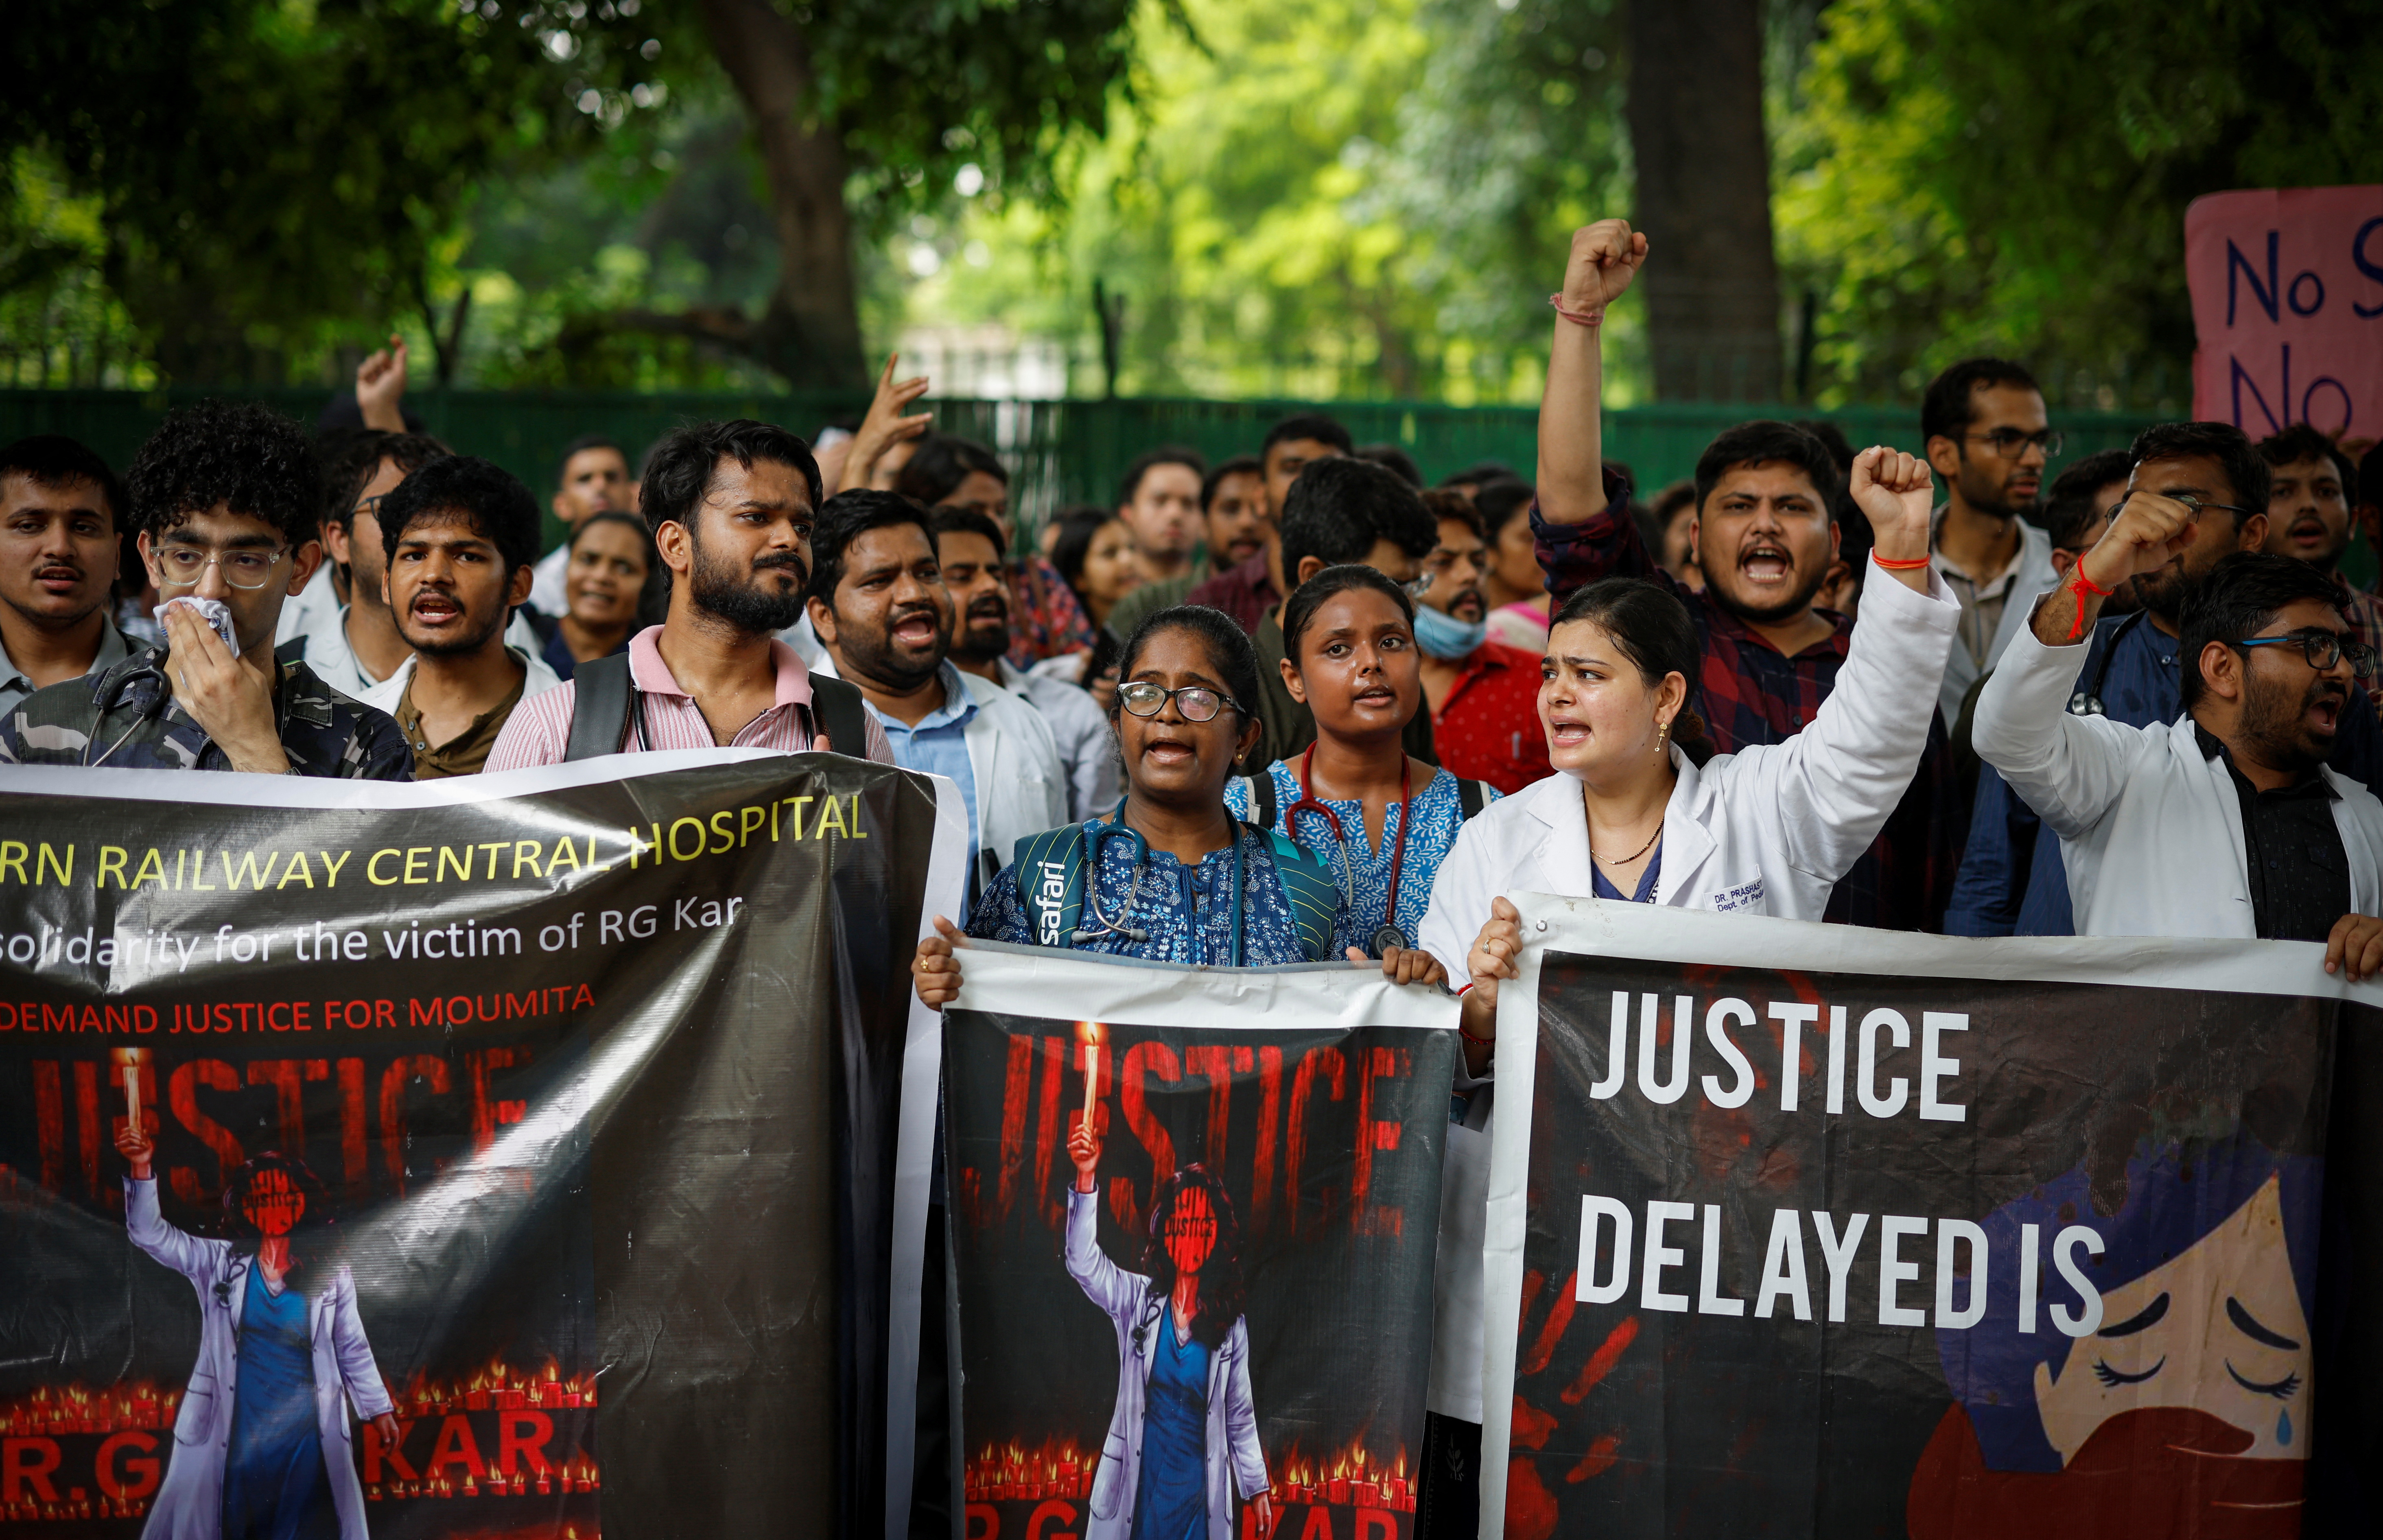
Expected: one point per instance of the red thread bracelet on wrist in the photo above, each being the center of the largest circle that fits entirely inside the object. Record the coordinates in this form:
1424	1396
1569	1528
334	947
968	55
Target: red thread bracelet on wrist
1577	317
1911	566
2081	588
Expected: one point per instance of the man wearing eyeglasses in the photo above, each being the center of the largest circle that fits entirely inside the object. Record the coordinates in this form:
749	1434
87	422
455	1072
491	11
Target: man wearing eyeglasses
224	498
2228	821
1988	439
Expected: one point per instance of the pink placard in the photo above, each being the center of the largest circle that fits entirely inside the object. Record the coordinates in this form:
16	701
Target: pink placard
2288	306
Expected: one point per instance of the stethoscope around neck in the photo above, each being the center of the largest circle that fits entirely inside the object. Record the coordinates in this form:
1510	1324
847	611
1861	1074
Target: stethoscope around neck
1388	934
1122	927
2087	702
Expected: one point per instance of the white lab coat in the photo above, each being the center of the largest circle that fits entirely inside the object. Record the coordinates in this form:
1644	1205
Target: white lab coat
1765	831
2151	828
1233	1452
1087	752
1021	788
2033	573
189	1501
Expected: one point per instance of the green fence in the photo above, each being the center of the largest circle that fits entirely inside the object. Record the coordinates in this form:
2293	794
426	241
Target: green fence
1060	452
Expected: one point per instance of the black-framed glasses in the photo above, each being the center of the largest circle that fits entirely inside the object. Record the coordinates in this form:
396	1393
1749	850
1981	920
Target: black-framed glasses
369	507
1197	702
2010	443
2323	648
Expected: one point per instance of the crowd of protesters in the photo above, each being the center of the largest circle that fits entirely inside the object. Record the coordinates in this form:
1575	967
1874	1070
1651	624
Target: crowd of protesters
1937	688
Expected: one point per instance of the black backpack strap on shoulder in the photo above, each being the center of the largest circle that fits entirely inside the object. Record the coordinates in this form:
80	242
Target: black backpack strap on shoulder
838	711
291	651
600	715
1472	796
1262	799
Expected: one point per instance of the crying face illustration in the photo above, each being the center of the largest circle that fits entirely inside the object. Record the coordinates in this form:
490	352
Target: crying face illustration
2218	1329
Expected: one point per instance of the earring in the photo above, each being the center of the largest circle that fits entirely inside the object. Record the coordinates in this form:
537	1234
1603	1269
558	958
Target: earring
1663	737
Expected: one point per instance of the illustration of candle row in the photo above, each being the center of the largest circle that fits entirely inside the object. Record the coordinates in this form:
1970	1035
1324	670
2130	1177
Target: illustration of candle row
139	1407
579	1475
86	1508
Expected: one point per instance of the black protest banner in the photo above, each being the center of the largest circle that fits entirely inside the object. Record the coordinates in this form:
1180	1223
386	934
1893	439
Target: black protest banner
497	1158
1267	1167
1815	1232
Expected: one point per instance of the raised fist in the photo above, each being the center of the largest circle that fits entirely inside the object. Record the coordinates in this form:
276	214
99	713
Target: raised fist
1605	258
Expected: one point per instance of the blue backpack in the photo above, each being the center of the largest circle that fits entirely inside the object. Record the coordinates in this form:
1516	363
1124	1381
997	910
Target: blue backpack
1051	869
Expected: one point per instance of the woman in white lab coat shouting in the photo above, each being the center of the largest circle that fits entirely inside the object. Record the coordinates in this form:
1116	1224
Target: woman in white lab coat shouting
1641	810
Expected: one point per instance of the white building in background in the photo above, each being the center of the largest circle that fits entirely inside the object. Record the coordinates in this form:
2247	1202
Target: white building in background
985	361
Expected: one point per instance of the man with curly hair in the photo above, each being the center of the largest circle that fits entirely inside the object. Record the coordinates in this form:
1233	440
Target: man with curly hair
225	500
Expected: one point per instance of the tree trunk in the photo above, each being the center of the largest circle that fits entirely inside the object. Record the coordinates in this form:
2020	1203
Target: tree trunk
1703	198
810	332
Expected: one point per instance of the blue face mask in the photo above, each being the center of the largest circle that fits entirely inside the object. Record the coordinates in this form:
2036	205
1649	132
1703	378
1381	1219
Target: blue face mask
1446	638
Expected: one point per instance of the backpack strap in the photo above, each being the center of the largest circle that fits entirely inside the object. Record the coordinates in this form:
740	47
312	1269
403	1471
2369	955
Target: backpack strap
1314	897
838	711
1472	796
600	713
1261	798
1050	869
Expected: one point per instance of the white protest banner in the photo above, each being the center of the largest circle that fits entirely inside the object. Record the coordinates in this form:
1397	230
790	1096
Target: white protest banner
1266	1159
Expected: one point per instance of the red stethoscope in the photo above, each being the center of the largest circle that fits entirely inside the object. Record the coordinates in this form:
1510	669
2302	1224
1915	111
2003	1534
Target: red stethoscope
1389	935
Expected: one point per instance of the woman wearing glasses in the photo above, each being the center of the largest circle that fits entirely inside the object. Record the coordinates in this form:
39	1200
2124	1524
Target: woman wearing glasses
1171	875
1380	820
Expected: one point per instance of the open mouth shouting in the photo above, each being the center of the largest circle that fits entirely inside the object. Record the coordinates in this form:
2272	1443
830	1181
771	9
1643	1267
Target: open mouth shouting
434	610
1161	751
918	628
1767	566
2322	711
2308	533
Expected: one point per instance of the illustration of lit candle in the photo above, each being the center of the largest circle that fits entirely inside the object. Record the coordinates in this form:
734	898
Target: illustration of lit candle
132	1062
1090	1034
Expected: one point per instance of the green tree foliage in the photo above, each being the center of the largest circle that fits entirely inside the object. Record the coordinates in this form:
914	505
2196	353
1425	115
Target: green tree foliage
1963	177
1332	200
264	170
268	172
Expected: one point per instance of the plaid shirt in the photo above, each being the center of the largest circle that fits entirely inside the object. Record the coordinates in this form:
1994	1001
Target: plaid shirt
2365	618
129	717
1047	618
1748	691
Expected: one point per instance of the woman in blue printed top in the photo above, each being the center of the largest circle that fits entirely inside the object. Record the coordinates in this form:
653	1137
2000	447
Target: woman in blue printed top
1171	875
1378	820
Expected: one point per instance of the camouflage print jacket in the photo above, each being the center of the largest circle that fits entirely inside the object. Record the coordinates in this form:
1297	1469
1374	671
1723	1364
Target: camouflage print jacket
128	717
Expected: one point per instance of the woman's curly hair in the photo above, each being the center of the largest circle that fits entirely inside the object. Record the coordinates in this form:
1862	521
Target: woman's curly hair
1223	1289
254	461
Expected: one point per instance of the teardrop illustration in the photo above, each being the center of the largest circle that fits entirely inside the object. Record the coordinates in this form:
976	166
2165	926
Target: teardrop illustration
2283	1427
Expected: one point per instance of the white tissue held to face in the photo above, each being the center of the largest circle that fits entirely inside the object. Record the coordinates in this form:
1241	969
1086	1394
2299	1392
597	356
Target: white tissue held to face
216	613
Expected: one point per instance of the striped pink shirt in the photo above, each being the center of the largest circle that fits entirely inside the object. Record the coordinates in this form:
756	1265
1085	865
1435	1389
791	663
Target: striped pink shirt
539	731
